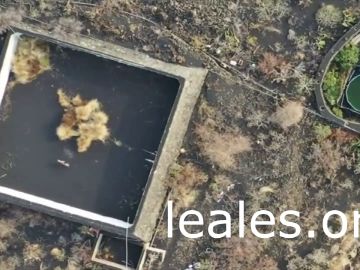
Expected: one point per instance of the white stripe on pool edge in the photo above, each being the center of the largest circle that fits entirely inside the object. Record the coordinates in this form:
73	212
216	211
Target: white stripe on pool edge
64	208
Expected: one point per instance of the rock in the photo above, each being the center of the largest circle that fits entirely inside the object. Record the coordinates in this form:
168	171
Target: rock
147	48
300	56
233	63
291	35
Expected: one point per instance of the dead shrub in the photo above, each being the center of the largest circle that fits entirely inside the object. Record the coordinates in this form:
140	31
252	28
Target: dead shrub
184	180
288	115
266	263
33	253
10	17
269	63
328	157
67	27
10	263
244	253
80	256
275	67
7	228
343	136
221	148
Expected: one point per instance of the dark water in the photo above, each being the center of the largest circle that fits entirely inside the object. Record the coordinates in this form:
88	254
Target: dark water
107	179
353	93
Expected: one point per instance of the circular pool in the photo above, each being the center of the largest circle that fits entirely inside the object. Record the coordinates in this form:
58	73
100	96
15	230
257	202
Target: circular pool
353	93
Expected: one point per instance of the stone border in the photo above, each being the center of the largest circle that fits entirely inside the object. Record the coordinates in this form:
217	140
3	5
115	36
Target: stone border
155	193
324	109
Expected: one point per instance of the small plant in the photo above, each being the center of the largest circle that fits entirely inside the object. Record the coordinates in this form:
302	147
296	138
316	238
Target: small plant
58	254
252	41
206	264
321	40
350	17
338	112
82	119
46	6
355	145
348	57
256	119
271	10
184	180
67	27
33	253
329	16
301	42
305	3
331	86
288	115
220	186
247	253
80	255
231	39
322	131
7	228
304	84
10	263
198	42
10	17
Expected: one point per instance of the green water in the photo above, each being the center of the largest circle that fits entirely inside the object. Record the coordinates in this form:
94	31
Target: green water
353	93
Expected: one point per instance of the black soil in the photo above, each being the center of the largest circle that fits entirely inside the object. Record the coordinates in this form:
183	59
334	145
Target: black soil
108	179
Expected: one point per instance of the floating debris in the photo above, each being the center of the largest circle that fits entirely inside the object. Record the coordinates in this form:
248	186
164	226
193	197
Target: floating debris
117	142
64	163
32	58
82	119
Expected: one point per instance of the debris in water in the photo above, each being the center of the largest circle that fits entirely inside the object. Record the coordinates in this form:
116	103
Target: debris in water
117	142
64	163
82	119
32	58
